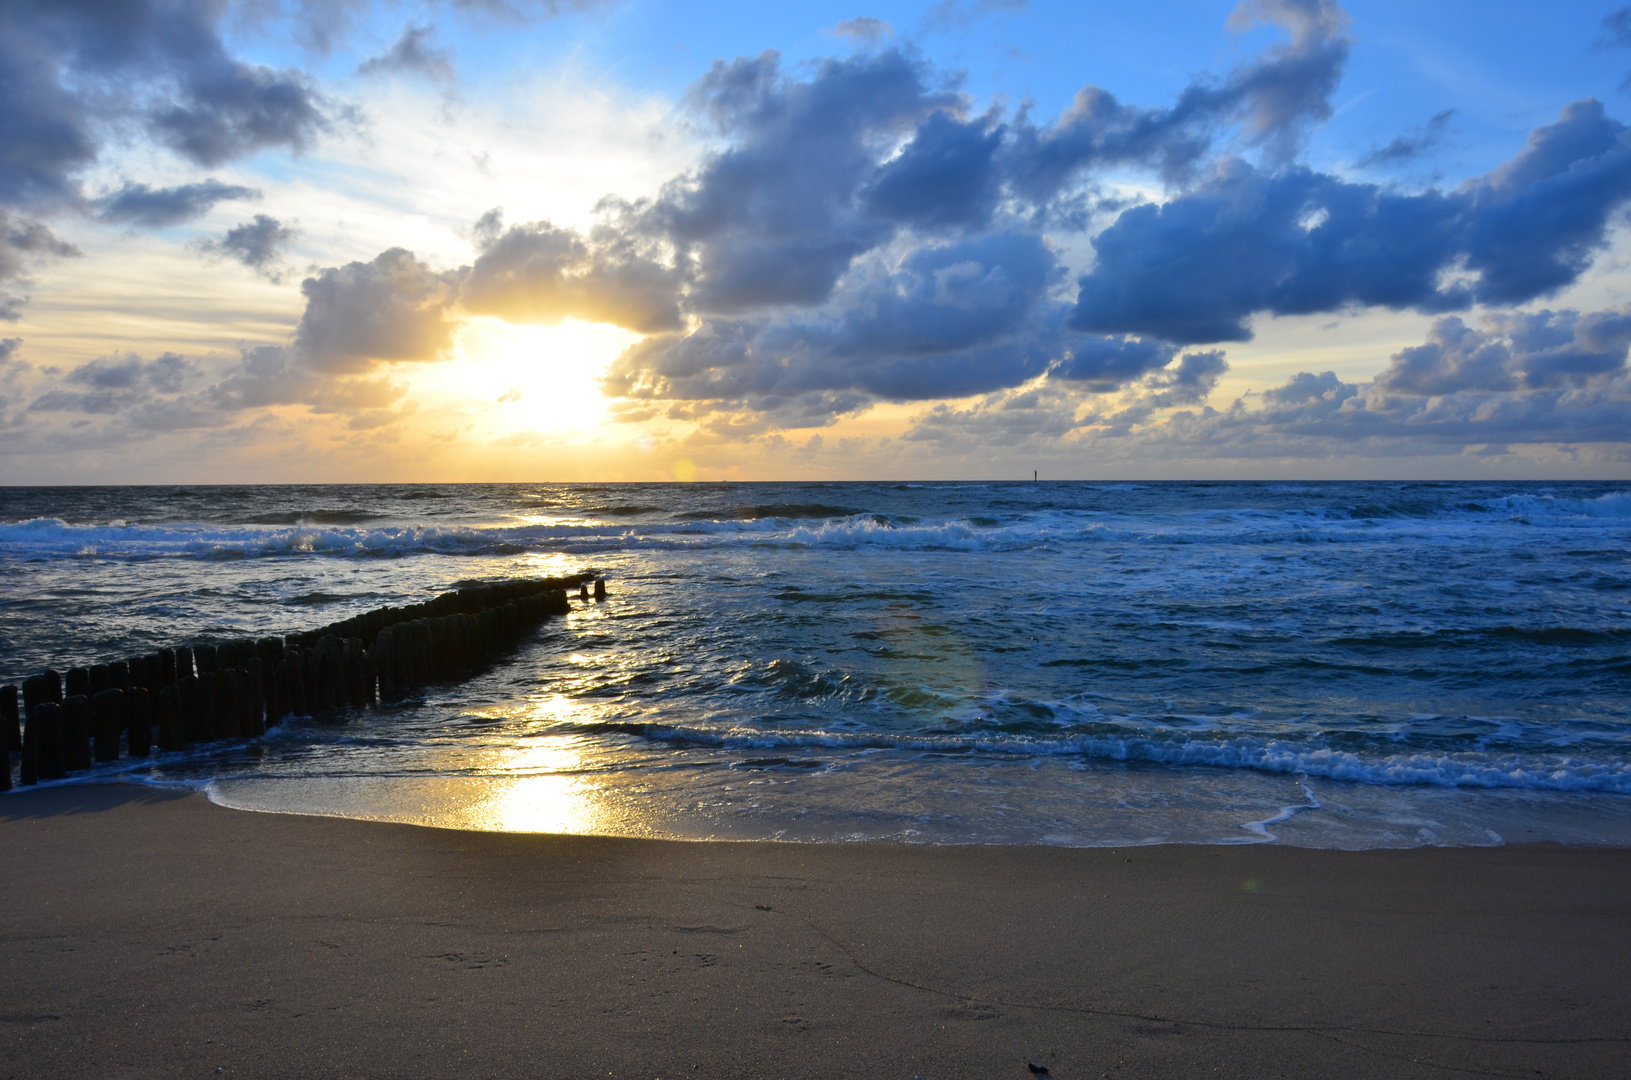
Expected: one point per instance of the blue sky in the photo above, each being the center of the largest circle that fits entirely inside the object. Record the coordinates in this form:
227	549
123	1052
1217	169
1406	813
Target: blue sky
635	239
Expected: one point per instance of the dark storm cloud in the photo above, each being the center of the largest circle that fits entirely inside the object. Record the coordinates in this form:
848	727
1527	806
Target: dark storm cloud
257	244
158	208
393	308
1412	144
68	69
412	54
1196	268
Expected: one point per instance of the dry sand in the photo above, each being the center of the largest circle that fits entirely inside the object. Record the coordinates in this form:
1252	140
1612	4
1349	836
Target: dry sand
153	934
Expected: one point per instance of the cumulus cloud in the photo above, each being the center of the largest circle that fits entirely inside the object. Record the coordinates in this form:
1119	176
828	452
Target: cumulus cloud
539	273
71	69
1515	350
392	309
1196	268
159	208
412	54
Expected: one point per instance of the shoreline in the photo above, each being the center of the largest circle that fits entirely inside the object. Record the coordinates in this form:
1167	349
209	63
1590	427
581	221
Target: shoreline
155	933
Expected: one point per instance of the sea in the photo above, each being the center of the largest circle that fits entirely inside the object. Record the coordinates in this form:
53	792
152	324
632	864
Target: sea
1331	665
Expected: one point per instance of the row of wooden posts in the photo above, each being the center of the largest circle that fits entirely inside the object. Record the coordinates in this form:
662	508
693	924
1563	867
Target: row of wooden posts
237	689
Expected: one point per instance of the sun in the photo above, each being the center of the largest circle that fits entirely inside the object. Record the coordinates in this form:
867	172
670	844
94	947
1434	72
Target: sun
533	378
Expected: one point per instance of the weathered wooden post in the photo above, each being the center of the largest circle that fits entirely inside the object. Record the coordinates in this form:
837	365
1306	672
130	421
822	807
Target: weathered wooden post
139	721
47	718
108	708
600	588
79	682
205	657
204	707
167	668
77	727
8	714
119	672
226	703
10	719
254	720
184	663
172	733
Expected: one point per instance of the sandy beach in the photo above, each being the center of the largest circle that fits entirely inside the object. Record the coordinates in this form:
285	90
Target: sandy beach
150	933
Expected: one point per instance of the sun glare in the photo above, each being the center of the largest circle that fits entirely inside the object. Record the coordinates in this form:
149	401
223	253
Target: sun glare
534	378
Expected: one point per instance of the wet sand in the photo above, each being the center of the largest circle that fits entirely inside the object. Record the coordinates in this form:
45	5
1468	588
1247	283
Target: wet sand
152	934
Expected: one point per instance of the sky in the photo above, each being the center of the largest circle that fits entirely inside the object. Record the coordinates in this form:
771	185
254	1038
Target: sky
248	241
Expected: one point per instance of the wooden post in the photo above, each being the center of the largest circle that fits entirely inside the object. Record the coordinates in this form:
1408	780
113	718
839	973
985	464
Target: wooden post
108	708
283	693
204	657
79	682
8	694
10	719
204	707
184	663
78	726
172	734
226	703
46	717
600	588
254	721
139	721
167	668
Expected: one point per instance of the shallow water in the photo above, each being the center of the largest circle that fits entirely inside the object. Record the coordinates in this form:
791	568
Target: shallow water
1338	665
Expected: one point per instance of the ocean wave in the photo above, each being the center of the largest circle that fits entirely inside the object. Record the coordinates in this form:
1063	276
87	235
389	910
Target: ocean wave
1468	769
649	525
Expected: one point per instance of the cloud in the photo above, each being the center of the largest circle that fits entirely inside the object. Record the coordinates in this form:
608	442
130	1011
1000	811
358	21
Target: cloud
257	244
864	30
113	384
1275	100
1413	144
23	242
773	218
542	274
1196	268
946	320
1104	363
1515	350
73	71
394	308
412	55
159	208
960	14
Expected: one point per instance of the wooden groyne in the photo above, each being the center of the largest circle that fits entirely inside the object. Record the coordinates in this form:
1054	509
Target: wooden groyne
236	689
